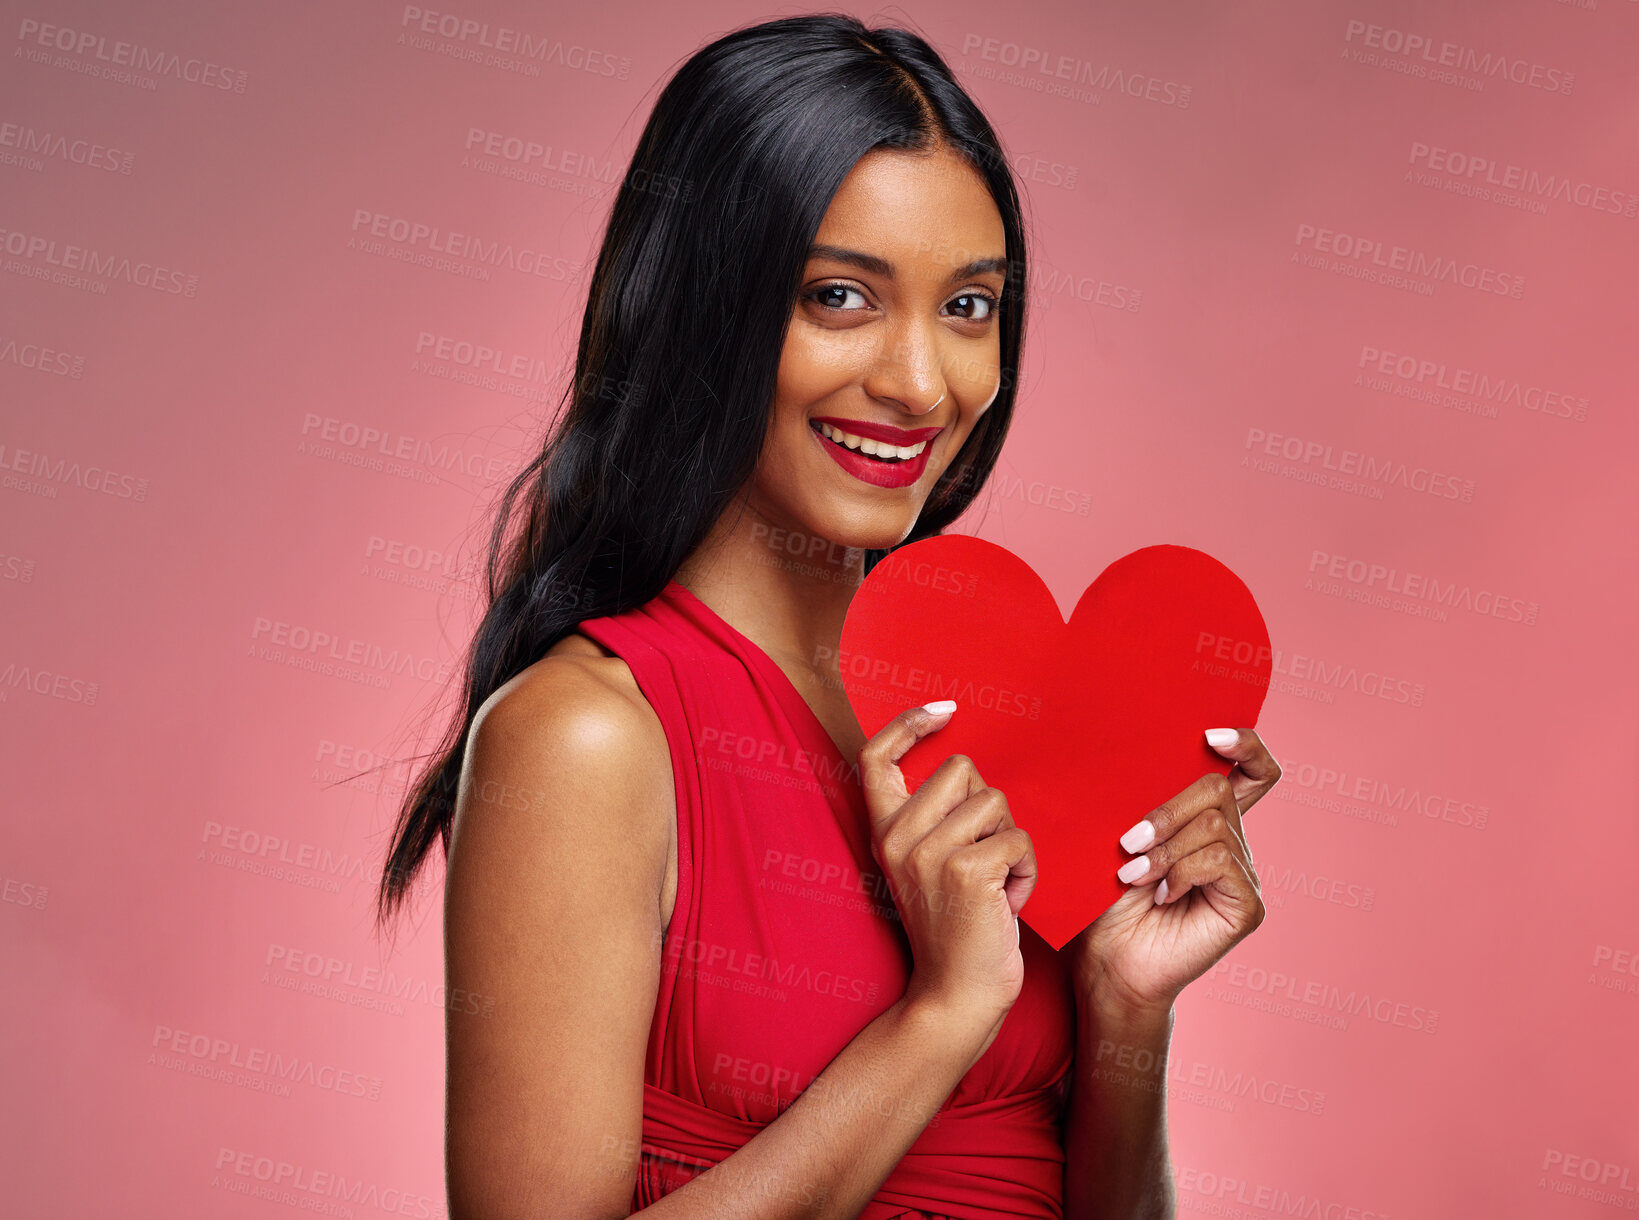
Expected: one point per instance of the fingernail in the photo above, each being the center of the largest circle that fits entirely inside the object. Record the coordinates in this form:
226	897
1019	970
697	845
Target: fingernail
940	707
1161	891
1220	739
1139	837
1133	869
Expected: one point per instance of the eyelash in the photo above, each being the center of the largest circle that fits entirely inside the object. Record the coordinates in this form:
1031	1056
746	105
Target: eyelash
814	292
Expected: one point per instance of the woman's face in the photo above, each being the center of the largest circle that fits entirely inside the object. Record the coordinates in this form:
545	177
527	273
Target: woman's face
895	327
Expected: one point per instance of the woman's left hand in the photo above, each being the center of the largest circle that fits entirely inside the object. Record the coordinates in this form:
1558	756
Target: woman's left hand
1194	896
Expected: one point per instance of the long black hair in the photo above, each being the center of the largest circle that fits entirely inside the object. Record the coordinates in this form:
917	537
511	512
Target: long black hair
680	345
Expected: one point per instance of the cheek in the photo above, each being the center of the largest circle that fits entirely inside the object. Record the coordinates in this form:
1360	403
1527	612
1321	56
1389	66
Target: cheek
789	400
784	444
980	378
808	376
809	372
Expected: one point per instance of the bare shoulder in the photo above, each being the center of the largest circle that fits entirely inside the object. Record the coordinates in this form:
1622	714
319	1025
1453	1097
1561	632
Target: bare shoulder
577	680
552	938
575	716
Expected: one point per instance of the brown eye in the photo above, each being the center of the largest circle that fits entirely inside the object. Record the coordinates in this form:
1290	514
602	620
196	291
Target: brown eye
981	300
828	295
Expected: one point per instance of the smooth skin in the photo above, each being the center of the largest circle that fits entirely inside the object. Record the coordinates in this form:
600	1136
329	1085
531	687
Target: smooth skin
1197	897
562	872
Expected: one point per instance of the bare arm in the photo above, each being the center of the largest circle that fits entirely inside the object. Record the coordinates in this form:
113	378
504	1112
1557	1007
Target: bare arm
1194	898
552	925
1116	1163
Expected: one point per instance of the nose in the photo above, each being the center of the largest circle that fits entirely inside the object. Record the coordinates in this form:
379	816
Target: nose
907	372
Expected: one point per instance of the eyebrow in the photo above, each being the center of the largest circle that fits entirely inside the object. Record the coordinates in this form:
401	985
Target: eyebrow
882	267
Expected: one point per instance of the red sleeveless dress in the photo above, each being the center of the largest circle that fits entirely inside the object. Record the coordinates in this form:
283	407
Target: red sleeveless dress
785	943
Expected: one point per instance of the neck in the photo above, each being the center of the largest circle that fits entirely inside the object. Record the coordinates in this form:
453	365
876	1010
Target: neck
784	591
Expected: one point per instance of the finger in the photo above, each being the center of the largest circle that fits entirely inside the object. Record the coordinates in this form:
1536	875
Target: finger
953	781
974	820
1205	828
1211	791
879	772
1220	874
1255	771
1007	857
976	816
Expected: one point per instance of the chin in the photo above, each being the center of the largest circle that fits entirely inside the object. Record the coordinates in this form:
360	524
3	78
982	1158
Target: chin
873	536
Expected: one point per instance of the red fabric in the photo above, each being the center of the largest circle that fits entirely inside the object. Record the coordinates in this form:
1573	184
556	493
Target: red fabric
785	943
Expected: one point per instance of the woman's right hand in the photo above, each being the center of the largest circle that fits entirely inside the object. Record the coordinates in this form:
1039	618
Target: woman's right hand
958	868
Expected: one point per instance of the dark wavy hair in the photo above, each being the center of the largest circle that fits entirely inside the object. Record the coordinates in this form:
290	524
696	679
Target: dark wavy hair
679	347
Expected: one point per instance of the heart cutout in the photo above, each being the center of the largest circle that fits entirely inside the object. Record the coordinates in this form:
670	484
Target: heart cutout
1087	725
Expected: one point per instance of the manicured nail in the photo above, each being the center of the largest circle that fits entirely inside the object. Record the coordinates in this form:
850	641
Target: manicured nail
1220	739
1139	837
940	707
1133	869
1161	891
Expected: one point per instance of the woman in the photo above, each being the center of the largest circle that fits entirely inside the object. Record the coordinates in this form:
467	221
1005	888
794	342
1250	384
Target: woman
683	929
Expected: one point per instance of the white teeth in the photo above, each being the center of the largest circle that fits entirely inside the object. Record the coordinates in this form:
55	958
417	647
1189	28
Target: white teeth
866	445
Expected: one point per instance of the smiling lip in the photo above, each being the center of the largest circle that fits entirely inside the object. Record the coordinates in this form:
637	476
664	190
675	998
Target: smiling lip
880	432
870	470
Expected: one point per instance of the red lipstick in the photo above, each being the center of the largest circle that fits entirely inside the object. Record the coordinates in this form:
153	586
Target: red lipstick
880	432
873	470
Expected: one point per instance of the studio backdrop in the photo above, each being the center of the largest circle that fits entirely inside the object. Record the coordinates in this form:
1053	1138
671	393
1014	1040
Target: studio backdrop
1339	293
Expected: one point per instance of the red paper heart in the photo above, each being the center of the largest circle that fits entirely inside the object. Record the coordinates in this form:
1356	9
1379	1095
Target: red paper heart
1086	726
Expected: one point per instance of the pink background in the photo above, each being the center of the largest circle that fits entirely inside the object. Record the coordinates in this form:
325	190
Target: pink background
186	502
